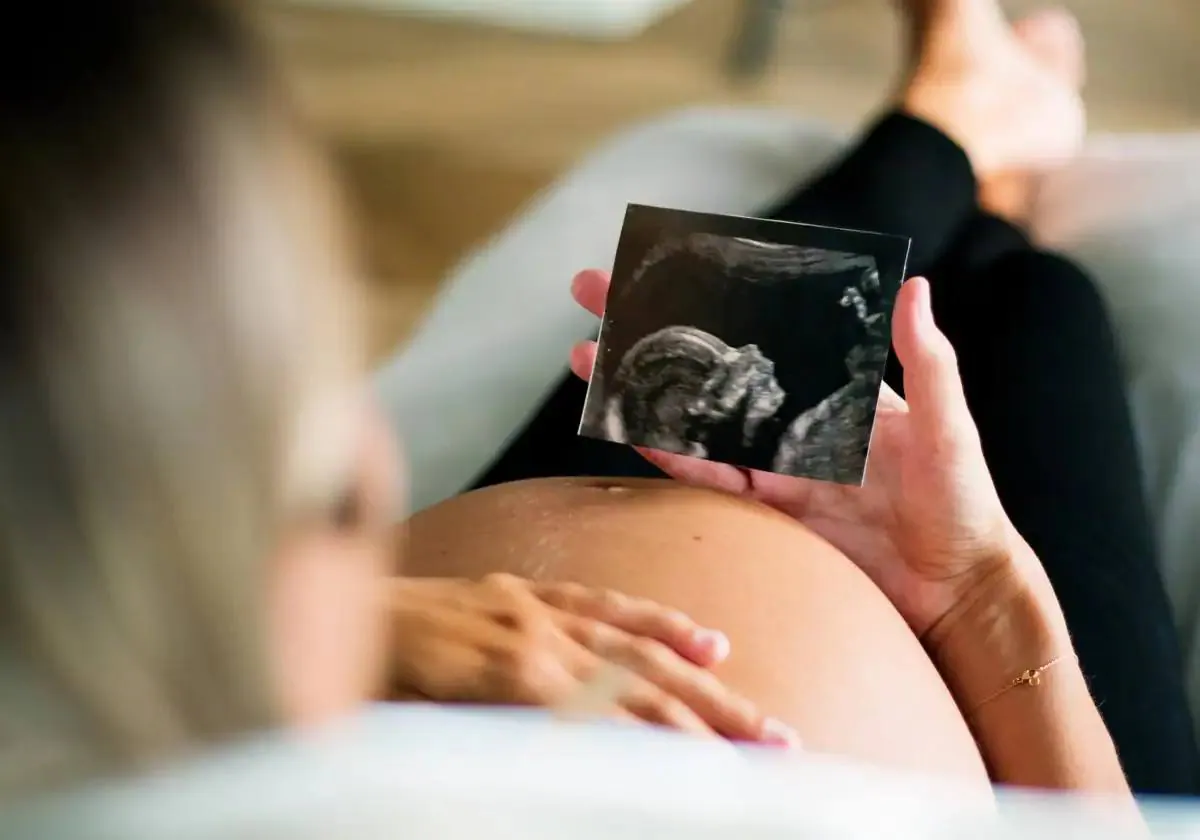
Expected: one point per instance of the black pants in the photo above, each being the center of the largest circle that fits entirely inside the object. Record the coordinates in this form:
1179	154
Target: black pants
1043	379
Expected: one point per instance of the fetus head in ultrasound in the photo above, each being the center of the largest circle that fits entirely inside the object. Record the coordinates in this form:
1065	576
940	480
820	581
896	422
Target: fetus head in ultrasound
691	392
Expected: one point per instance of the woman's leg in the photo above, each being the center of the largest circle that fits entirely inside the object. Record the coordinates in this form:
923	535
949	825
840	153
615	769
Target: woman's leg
904	176
1042	374
970	79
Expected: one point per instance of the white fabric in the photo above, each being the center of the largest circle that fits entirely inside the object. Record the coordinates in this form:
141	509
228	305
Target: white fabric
497	338
428	773
578	18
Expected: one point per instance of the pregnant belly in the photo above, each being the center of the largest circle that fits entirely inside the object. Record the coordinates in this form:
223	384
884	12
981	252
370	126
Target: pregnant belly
814	642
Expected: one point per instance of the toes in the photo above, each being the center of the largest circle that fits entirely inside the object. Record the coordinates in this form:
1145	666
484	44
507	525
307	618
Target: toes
1055	39
934	24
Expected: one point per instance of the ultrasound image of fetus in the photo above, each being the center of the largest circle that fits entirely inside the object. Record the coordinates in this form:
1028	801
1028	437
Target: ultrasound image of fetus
744	341
679	385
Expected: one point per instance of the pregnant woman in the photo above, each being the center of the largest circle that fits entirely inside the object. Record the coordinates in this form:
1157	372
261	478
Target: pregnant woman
916	621
196	500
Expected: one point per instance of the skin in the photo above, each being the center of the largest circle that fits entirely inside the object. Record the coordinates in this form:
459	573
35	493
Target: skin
558	645
813	641
929	535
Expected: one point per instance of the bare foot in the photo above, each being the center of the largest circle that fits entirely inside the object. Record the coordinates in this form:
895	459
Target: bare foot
1051	36
990	90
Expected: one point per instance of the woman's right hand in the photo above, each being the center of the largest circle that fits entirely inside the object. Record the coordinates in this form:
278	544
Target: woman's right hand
508	641
927	525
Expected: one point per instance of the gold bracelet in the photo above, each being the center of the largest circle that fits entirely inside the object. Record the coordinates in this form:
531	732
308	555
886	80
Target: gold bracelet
1031	678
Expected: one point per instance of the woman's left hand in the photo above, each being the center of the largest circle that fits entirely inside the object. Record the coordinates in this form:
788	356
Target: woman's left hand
510	641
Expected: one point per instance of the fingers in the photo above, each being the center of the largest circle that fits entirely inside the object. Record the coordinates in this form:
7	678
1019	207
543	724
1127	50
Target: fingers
890	402
449	659
504	640
583	359
697	471
610	690
590	290
647	702
932	385
672	685
780	491
638	617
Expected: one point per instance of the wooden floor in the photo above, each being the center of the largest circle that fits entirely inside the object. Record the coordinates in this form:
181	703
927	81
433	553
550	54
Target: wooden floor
444	131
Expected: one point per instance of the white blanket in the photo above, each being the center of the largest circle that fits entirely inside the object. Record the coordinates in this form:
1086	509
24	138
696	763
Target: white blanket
498	335
415	773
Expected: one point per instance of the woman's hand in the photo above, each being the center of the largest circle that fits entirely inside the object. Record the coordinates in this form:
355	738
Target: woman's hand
505	640
927	525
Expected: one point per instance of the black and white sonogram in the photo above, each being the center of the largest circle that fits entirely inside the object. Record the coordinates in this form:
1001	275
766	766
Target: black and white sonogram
756	343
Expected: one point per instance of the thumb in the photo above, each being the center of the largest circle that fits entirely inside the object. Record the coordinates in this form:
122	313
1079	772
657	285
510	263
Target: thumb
932	386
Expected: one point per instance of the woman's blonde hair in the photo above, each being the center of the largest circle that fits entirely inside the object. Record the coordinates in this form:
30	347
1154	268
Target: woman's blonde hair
155	350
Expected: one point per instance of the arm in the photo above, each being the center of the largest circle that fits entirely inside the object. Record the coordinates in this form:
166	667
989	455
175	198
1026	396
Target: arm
1048	734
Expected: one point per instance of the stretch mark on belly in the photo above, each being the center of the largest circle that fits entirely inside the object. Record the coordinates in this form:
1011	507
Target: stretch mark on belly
545	555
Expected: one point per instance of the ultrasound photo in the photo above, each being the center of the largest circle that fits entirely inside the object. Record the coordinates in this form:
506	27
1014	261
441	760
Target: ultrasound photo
751	342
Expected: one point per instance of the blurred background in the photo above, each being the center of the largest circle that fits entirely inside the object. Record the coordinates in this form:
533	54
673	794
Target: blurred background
447	116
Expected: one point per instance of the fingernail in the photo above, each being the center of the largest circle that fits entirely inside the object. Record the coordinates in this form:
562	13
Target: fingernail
776	733
714	642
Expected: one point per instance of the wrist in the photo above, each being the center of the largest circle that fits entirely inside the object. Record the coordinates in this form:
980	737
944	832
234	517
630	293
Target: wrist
1008	622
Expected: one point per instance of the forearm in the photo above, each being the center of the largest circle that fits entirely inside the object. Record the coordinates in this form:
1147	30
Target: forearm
1044	731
